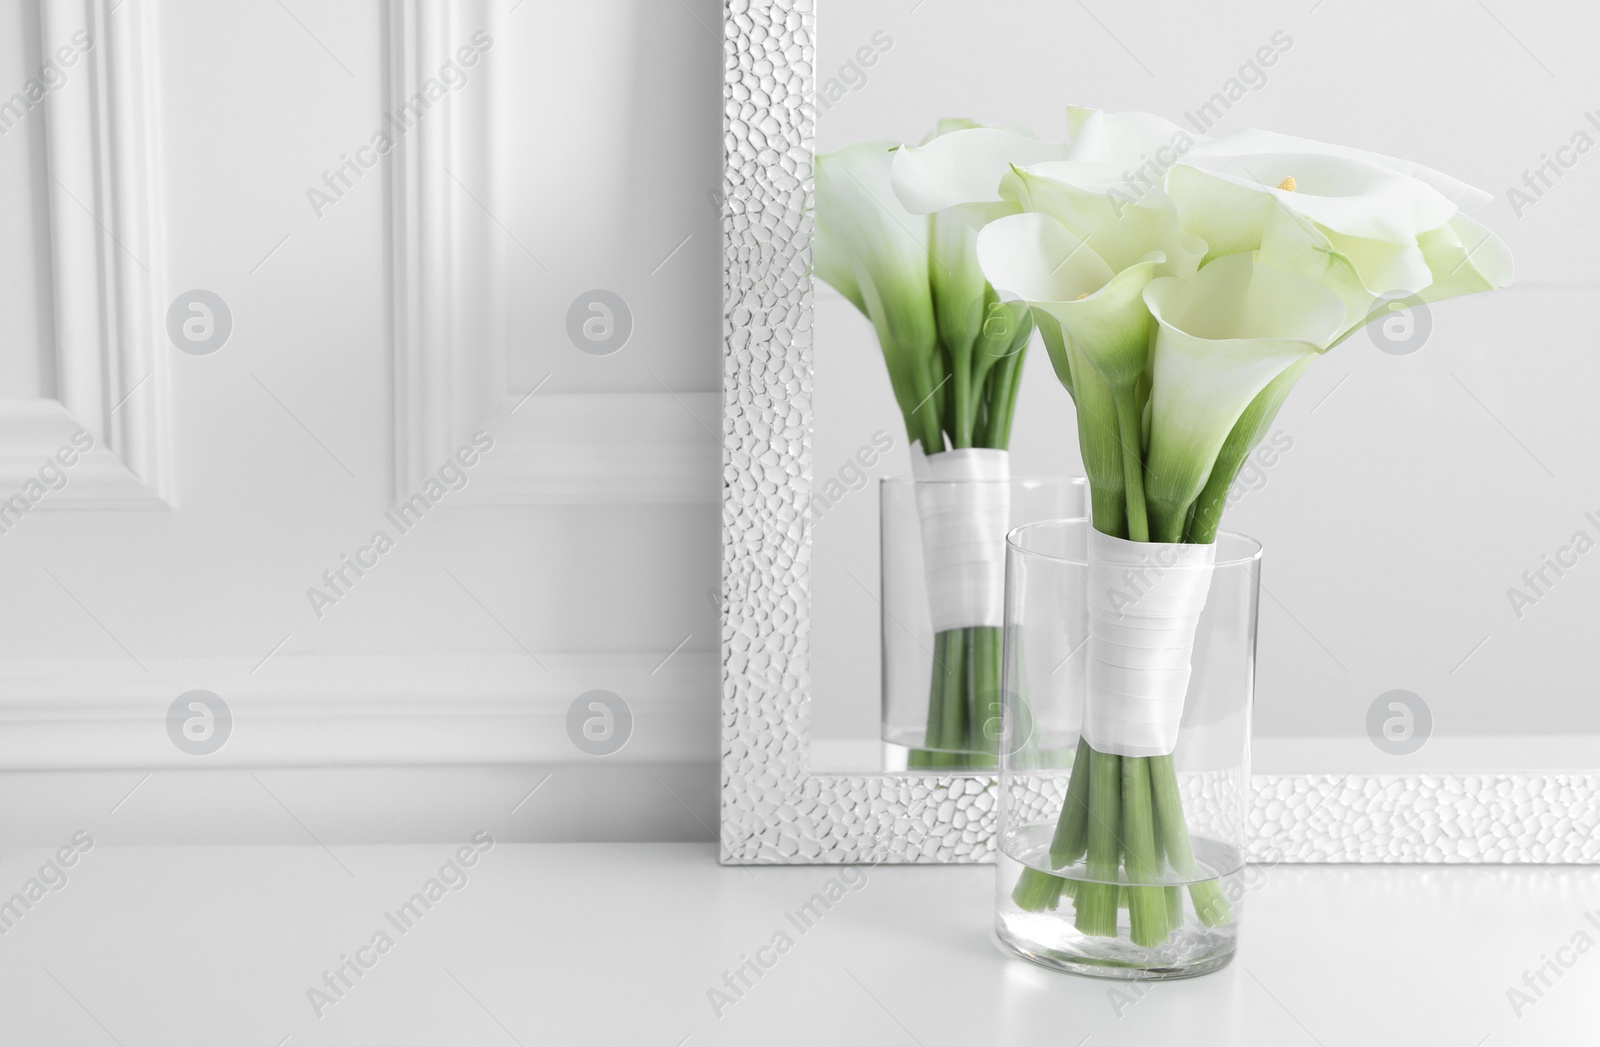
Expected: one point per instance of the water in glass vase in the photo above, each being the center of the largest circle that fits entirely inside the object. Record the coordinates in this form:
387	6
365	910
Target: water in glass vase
1061	918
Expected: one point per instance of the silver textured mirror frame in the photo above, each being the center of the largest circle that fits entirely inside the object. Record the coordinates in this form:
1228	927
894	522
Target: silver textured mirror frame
773	810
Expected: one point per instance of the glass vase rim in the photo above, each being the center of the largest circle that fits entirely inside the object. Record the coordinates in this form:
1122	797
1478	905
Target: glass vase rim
1252	554
911	481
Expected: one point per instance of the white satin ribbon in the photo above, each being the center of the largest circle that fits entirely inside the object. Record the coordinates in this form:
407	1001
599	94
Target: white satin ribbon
965	516
1145	600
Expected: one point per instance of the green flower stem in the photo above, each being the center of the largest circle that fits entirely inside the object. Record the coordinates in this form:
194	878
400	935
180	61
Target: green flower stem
1147	906
1166	522
961	406
983	701
1205	516
922	424
970	675
938	403
1005	379
1209	903
1097	895
1037	891
963	701
953	728
940	694
947	704
1071	838
1174	896
1108	510
1102	453
933	736
1132	469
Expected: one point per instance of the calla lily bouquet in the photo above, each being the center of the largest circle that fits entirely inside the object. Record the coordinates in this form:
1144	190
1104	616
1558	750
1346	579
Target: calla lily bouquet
1179	306
954	352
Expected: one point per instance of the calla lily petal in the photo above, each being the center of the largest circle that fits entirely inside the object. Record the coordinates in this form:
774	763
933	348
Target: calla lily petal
1343	194
954	176
887	247
1294	244
1036	258
831	263
962	168
1112	325
1221	339
1455	269
1384	268
1464	258
1252	141
1246	433
1125	140
1098	442
958	284
1231	218
1087	199
1359	271
1238	299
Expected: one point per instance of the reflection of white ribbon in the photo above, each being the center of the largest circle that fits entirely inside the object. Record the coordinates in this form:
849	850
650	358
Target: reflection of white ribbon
1145	600
965	516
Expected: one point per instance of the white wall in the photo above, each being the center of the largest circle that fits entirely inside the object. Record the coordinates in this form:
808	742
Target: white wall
439	686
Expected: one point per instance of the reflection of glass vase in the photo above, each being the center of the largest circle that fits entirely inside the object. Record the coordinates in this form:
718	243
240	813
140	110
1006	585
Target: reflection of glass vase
941	686
1124	776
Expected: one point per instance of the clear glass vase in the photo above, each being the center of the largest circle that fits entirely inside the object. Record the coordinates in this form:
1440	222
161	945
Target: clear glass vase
941	686
1115	865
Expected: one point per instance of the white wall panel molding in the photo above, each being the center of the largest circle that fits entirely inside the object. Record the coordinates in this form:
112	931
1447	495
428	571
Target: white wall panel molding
447	273
538	802
602	449
103	222
340	710
449	282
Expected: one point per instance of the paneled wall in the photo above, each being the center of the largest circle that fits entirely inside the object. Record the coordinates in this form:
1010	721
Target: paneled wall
365	464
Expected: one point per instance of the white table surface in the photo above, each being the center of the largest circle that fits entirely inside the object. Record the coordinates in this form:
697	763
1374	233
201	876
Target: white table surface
618	944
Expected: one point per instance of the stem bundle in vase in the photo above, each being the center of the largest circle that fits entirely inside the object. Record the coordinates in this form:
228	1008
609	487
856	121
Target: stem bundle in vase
982	378
1122	816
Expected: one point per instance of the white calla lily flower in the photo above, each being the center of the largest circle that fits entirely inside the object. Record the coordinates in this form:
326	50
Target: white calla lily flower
1253	141
1229	200
831	263
1351	218
1099	310
961	167
1292	243
1096	329
1221	339
1084	198
953	177
1458	258
876	254
1127	140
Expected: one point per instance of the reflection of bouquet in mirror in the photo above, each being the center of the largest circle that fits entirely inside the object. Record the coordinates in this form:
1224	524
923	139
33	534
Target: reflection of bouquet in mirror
954	353
1181	285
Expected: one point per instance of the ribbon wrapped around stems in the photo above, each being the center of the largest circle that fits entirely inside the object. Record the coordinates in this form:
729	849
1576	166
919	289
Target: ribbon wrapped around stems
1145	601
965	514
